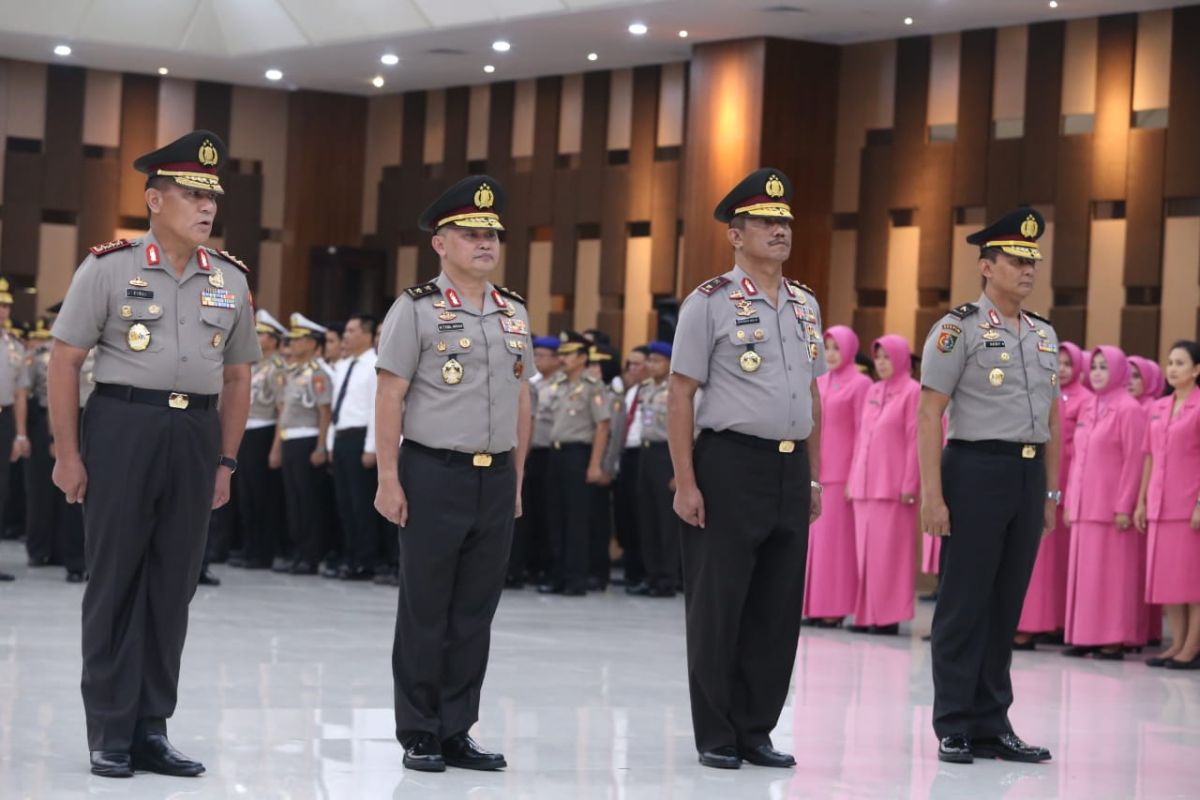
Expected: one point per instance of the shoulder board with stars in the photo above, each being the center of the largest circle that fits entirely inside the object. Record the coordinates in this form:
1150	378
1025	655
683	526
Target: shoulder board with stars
231	258
422	290
964	311
1036	315
800	285
110	247
591	380
510	294
711	285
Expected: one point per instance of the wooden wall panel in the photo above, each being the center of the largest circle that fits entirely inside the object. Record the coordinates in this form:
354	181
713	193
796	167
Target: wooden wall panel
385	127
1105	294
867	86
908	131
56	265
454	147
258	123
1152	65
593	147
102	109
614	229
214	104
1072	212
99	208
642	141
1079	67
974	117
176	110
874	219
1181	279
1004	177
1183	132
240	215
1139	331
567	188
477	122
869	325
63	145
1008	81
902	298
1114	101
545	151
664	216
1043	110
935	216
139	114
1144	208
23	182
672	102
944	67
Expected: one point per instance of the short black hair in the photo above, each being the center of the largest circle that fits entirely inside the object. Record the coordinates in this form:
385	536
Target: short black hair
1193	351
368	322
644	349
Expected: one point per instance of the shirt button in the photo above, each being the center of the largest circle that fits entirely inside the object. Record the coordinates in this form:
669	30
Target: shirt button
182	320
185	359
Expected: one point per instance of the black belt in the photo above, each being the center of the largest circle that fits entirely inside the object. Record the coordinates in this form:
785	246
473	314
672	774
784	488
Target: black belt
571	445
181	401
455	457
996	447
758	443
648	445
362	429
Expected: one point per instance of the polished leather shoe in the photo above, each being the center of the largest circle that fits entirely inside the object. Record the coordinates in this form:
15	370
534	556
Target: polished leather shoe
641	589
111	764
1028	644
766	756
885	630
1077	652
721	758
1109	655
386	579
1174	663
1009	747
208	579
302	568
1157	661
154	753
39	561
348	573
859	628
424	754
461	751
550	588
573	591
76	577
955	749
281	565
4	577
827	624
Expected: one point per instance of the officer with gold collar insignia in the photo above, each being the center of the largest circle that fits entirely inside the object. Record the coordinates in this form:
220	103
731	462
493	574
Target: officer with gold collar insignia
173	327
454	354
993	489
745	490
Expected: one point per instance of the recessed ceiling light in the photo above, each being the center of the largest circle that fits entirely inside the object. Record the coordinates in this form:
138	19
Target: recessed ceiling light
638	29
683	34
390	59
62	50
489	69
501	46
163	70
377	81
274	75
908	20
1054	3
592	56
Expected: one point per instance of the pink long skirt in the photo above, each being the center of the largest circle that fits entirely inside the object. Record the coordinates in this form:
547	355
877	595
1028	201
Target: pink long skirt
931	553
1045	609
886	570
831	575
1173	563
1105	586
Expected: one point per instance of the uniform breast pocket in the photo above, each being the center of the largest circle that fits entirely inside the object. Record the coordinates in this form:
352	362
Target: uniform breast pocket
218	322
1049	361
515	347
142	325
448	360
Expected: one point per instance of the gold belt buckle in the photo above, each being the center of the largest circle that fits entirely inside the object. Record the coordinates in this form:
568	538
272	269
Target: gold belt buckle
482	460
1029	451
178	400
558	445
787	446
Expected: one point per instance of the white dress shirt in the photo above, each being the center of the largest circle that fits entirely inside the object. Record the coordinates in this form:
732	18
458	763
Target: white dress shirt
358	407
633	435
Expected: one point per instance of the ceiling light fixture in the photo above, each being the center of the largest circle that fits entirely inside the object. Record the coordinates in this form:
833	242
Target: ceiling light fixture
908	20
592	56
274	75
62	50
638	29
377	81
489	69
501	46
683	34
1054	3
163	71
389	59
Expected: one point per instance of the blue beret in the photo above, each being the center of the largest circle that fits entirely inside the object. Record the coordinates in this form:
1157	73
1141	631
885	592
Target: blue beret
546	342
661	348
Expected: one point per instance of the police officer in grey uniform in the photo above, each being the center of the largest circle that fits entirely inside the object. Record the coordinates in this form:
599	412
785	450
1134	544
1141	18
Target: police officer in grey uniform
39	489
994	488
69	516
14	391
752	340
452	365
173	328
658	524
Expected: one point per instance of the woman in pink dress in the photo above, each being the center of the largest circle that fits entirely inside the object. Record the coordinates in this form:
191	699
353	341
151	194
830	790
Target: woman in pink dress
1045	609
884	483
1105	585
1146	383
1169	507
831	581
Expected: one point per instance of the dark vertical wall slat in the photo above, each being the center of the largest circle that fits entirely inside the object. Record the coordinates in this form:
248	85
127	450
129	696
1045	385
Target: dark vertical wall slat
593	150
911	112
642	140
139	131
874	220
1072	212
214	107
935	216
23	179
1183	130
1144	208
614	229
1043	110
454	153
976	67
63	145
1004	177
1140	331
99	207
664	216
1114	103
545	151
565	232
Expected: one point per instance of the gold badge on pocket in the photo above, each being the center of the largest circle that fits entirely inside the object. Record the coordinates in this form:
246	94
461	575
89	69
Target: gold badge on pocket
996	377
138	337
452	372
750	361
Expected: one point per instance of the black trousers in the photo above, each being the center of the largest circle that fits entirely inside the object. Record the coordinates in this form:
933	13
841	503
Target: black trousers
600	533
996	504
531	552
151	472
659	525
8	432
626	516
306	490
39	488
569	503
354	489
260	497
744	583
453	555
68	534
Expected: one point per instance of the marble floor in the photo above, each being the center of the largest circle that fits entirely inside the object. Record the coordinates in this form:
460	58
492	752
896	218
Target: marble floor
286	695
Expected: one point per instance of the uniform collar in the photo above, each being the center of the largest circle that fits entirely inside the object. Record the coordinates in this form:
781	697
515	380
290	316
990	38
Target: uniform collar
751	290
154	257
493	301
993	318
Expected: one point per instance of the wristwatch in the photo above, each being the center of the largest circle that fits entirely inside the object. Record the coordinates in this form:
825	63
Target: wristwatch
816	485
1055	496
226	461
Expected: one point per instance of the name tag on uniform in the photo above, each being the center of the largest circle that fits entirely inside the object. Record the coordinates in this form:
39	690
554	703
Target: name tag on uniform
513	325
218	298
747	320
450	326
144	294
993	344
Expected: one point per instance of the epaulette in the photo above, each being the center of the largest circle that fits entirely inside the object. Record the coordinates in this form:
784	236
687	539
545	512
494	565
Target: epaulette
647	382
1036	315
590	379
510	294
422	290
711	285
110	247
963	311
799	285
231	258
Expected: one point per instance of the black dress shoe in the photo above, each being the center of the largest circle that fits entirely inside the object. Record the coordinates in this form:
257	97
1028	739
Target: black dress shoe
573	591
39	561
1174	663
596	584
928	598
348	573
208	579
1109	655
1156	661
766	756
859	628
550	588
111	764
5	577
641	589
1009	747
386	579
424	754
1077	652
1028	644
662	591
955	749
461	751
721	758
827	623
514	583
1053	638
885	630
154	753
281	565
302	568
74	576
331	572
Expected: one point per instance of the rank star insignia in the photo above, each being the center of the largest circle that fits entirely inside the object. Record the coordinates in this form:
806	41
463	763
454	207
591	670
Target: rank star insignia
736	296
439	303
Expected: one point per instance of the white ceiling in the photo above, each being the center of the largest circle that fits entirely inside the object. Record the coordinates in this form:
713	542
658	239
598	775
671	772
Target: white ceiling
335	44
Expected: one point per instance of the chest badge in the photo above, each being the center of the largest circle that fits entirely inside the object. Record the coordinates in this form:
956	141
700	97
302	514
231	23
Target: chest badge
1054	379
518	368
217	279
216	340
991	335
440	347
447	316
452	372
126	312
138	337
1041	333
138	282
750	361
744	308
996	377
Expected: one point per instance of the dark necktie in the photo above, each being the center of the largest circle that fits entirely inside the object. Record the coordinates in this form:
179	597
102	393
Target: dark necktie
337	408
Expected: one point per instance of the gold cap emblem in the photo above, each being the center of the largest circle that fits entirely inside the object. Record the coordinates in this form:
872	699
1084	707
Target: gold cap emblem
484	197
1029	228
208	154
774	187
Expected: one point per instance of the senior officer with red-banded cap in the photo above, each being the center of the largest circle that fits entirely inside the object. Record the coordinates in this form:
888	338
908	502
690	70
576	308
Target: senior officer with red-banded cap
751	339
173	327
453	358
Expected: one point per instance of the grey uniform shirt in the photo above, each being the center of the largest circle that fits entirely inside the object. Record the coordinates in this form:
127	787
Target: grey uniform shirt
266	381
726	317
196	325
14	374
652	406
1001	382
543	417
577	408
306	387
39	375
491	351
